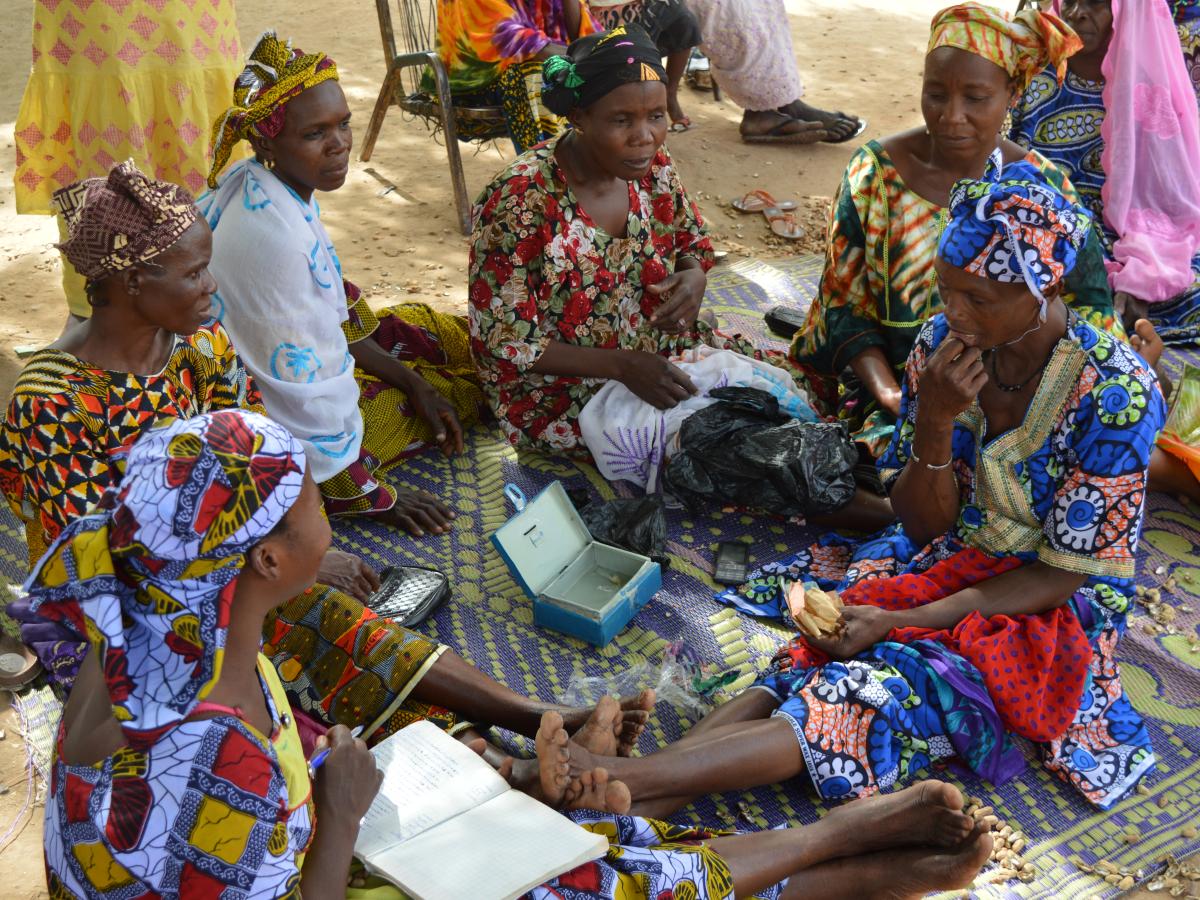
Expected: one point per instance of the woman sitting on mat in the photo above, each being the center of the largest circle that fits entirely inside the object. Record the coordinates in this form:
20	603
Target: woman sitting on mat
361	390
879	285
994	609
145	356
493	52
1145	198
588	258
179	770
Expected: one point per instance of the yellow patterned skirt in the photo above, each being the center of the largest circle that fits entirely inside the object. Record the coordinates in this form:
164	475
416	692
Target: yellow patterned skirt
344	665
110	81
436	346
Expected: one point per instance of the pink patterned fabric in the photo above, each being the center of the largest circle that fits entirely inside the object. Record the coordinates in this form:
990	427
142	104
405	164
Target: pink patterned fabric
1151	154
749	43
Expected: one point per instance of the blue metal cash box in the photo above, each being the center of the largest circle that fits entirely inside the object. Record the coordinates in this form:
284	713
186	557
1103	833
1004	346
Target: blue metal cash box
578	586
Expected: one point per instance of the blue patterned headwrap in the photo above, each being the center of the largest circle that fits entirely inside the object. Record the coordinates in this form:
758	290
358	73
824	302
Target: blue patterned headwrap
150	582
1014	227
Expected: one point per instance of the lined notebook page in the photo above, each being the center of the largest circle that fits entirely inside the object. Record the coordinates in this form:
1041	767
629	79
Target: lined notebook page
496	851
428	777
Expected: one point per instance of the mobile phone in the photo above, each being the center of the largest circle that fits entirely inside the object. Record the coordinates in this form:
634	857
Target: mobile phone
733	559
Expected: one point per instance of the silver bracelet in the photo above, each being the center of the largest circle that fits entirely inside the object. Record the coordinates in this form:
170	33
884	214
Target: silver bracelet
913	456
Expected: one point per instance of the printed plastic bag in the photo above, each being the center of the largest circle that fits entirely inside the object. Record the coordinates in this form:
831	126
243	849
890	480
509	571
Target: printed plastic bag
744	450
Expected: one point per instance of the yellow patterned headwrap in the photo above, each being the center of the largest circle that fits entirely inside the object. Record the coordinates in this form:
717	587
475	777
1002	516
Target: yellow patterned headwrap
274	74
1022	45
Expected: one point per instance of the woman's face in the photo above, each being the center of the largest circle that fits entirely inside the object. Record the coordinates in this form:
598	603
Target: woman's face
964	99
1092	20
302	541
625	128
312	152
983	313
174	289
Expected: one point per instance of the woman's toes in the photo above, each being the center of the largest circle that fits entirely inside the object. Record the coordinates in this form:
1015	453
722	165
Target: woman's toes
617	798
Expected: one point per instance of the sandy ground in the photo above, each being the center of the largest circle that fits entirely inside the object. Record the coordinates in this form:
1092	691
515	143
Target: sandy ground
394	221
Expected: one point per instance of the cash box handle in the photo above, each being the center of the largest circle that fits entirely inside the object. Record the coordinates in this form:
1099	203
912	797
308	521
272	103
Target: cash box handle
516	495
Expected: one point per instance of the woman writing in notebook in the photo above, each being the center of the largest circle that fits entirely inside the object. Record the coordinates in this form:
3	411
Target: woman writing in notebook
179	769
147	354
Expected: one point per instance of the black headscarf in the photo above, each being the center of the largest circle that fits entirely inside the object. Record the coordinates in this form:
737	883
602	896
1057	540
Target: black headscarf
598	64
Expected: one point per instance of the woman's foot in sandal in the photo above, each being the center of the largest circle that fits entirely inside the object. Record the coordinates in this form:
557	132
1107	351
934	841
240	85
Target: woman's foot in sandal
775	127
841	127
679	119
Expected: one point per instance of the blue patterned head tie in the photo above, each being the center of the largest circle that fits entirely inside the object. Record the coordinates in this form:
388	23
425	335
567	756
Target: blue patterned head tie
150	581
1014	227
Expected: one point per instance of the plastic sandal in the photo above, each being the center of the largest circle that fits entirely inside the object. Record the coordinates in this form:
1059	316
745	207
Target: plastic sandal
784	223
759	200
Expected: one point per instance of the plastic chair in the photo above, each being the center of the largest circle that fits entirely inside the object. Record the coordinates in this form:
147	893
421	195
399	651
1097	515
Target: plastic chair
402	87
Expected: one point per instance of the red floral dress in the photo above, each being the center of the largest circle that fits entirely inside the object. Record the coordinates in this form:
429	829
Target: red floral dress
542	270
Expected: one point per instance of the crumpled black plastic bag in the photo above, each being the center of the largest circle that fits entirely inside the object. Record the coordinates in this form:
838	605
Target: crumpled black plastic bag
637	524
744	451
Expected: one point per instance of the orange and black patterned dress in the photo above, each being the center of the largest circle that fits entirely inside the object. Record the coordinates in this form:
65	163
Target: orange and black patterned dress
60	450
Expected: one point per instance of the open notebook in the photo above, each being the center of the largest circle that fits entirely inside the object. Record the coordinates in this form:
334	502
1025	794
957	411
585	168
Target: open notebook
445	826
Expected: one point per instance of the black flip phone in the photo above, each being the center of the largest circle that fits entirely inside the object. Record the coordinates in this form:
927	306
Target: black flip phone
733	559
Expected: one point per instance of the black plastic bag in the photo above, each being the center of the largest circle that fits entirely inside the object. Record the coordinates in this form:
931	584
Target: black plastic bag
744	451
637	524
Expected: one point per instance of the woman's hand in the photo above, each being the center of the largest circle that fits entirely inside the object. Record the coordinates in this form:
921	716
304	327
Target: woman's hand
951	380
439	413
654	379
419	513
889	399
681	295
348	574
876	374
862	627
347	782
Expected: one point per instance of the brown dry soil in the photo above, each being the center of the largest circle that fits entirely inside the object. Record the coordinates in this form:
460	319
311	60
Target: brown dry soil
394	221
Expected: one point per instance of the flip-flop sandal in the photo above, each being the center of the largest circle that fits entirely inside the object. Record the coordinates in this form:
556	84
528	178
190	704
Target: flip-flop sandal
862	126
758	200
779	134
682	125
783	223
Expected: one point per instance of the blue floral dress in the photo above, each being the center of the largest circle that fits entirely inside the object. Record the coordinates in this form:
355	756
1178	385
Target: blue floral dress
1066	487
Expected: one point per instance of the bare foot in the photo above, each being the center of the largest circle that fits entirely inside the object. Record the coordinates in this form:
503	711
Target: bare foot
927	814
895	874
634	713
1145	340
553	759
600	732
593	790
914	873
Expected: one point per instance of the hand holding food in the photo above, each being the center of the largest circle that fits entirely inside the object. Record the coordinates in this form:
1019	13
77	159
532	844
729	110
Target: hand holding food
816	613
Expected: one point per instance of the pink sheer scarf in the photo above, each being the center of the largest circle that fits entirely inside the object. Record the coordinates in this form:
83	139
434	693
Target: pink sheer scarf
1151	154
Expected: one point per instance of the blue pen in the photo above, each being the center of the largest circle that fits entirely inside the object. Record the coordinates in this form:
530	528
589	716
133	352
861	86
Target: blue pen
319	760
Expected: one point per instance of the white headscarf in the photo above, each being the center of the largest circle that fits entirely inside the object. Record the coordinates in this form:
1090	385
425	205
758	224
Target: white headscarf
281	298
